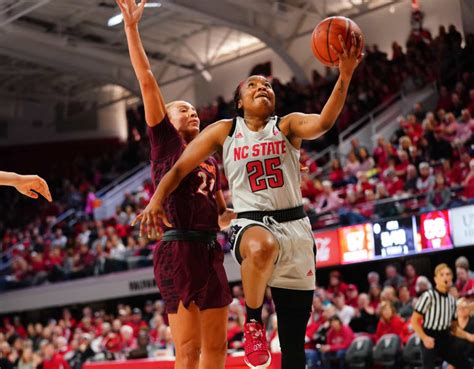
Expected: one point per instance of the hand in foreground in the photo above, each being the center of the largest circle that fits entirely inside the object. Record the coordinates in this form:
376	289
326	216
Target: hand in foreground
226	217
429	342
151	219
32	185
349	59
131	11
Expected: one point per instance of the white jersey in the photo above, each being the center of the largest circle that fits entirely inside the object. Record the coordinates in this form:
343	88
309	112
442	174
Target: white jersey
262	168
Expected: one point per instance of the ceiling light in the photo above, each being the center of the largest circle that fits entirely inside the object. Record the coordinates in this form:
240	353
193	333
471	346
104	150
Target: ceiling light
118	18
152	5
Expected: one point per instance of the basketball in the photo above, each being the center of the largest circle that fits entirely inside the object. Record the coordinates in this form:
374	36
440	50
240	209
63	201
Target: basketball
326	33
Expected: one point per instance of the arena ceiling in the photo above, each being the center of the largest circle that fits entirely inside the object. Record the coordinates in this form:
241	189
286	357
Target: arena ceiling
57	49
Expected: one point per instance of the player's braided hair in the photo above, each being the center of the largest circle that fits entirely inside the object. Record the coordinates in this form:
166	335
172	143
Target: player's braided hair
238	111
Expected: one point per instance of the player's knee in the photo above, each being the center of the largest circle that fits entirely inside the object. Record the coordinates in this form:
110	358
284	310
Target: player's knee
215	348
189	352
263	252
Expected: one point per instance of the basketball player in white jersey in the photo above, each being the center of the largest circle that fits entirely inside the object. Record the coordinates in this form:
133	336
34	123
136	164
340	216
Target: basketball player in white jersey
272	238
28	185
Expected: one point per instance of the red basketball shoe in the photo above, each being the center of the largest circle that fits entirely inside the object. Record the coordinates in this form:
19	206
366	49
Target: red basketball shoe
255	344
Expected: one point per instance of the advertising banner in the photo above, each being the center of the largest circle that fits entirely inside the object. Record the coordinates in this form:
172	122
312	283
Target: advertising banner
327	244
462	225
357	243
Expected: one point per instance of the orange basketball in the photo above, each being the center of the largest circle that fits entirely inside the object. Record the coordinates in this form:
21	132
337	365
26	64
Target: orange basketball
326	33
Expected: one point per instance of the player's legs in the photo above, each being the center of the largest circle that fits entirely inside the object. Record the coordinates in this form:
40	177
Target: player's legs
259	251
213	338
293	308
186	332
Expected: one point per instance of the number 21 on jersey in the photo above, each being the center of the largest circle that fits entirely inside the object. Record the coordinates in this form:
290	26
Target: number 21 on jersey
205	187
265	174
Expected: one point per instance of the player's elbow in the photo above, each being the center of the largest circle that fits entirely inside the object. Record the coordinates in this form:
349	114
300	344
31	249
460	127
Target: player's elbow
146	80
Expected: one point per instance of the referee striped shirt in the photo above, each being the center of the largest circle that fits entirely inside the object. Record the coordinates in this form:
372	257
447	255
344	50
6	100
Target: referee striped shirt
438	310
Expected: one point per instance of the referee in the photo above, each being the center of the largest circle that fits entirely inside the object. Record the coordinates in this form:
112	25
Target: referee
437	309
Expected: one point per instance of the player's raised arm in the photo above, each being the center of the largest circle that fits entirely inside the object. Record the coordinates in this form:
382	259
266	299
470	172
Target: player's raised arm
312	126
155	108
28	185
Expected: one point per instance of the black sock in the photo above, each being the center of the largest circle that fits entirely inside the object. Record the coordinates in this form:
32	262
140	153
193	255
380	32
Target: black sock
254	314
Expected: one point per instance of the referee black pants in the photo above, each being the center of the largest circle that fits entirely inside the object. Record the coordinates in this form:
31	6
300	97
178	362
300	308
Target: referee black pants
444	349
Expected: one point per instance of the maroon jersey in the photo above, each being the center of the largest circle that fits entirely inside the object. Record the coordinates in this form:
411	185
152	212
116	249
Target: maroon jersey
192	206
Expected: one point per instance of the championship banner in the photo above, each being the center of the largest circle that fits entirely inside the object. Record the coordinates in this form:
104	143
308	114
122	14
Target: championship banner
357	243
395	237
327	245
435	231
462	225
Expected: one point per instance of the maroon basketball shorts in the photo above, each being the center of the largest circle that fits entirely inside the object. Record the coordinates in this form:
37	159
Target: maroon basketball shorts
191	271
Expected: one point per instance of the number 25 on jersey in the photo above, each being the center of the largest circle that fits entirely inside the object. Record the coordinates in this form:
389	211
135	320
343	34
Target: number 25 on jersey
265	174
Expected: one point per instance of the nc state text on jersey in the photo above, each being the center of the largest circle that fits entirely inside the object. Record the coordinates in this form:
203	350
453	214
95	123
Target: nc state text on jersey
260	149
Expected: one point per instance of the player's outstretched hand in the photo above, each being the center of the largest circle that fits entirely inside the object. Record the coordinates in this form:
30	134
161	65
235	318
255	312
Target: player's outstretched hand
131	11
151	219
225	218
349	59
32	185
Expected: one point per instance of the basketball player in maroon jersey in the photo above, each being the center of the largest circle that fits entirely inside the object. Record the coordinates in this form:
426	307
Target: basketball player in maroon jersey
272	237
28	185
188	261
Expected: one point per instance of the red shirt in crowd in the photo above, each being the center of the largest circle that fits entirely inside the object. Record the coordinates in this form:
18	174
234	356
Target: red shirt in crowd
56	362
465	287
336	175
395	326
340	340
469	187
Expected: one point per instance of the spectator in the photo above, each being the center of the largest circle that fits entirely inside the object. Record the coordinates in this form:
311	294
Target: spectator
468	183
53	360
389	293
406	303
410	278
464	283
466	323
422	284
343	311
373	278
336	175
352	167
336	284
328	201
440	196
374	293
462	262
352	295
339	338
365	318
384	207
366	161
426	181
392	277
393	184
390	322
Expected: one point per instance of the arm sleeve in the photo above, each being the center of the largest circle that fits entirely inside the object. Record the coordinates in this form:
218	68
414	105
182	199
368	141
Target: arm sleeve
423	303
164	140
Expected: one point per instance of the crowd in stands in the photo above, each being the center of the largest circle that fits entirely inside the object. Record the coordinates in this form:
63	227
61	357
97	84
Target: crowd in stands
340	313
76	249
